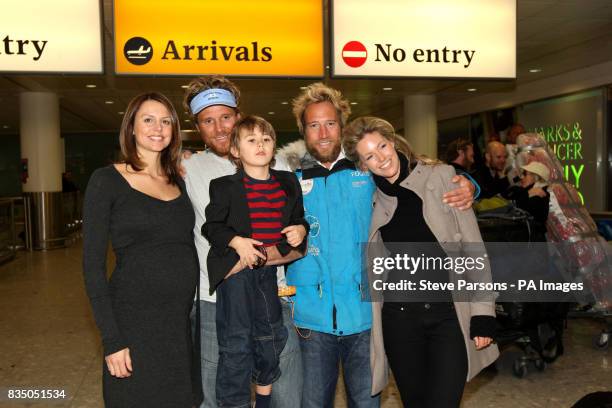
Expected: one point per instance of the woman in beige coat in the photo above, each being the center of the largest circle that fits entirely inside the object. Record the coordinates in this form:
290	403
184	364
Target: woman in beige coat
433	345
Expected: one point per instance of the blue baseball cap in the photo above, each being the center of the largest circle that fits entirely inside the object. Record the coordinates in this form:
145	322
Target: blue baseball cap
210	97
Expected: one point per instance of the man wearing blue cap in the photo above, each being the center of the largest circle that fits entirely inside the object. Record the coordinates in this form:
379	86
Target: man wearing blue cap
214	104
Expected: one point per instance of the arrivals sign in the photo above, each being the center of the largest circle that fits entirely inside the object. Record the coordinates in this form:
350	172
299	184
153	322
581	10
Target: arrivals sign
241	37
45	36
424	38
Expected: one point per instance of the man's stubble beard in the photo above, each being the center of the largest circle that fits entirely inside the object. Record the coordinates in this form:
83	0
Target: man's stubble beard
327	158
214	147
221	153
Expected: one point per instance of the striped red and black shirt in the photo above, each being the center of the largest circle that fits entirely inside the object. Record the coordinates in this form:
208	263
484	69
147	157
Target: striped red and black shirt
265	199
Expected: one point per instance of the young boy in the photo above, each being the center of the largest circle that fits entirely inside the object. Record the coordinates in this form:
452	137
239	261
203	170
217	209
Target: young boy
255	220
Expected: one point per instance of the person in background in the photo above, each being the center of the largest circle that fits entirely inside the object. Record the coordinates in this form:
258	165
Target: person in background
140	204
492	177
432	347
68	184
512	171
515	131
532	195
460	155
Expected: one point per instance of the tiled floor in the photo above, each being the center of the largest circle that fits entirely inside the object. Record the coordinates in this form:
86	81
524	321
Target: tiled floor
48	341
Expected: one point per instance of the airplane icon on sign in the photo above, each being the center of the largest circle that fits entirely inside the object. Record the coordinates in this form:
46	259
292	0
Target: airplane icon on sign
139	53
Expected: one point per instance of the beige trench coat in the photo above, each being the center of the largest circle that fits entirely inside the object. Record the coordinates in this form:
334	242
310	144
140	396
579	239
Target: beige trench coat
448	225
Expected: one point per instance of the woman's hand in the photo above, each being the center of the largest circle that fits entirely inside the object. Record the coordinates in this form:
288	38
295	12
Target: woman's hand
482	342
461	197
119	364
295	234
245	248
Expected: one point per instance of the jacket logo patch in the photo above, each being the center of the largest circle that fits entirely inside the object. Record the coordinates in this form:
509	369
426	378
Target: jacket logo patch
315	227
307	185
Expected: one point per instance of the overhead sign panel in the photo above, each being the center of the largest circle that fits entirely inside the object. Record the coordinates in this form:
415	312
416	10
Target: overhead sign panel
424	38
242	37
50	36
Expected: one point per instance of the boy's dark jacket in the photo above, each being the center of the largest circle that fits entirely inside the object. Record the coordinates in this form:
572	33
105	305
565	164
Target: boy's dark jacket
227	216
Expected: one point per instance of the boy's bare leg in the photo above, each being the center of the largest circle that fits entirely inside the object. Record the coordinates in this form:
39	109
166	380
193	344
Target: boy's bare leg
263	389
262	396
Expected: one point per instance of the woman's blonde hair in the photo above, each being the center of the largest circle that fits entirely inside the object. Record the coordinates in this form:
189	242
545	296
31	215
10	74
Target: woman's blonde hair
358	128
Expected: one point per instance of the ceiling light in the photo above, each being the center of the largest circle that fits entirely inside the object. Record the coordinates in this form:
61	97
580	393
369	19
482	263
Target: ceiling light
284	103
387	89
121	113
90	86
472	89
535	70
184	86
303	87
354	103
5	126
187	120
270	113
109	102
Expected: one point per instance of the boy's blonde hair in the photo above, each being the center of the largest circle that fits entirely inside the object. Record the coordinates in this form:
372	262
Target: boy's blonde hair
250	123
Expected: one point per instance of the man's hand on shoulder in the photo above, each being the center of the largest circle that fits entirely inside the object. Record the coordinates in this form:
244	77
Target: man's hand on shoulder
461	197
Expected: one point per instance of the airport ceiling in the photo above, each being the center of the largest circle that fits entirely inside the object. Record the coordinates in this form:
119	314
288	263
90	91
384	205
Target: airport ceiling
554	36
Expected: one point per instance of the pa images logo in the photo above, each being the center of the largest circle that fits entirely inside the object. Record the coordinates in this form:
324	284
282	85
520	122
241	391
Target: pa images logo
138	51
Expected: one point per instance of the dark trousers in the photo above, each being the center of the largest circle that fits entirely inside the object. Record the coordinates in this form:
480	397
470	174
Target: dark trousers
322	354
426	352
250	333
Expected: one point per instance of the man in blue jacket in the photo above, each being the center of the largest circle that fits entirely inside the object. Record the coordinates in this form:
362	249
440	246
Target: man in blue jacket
333	321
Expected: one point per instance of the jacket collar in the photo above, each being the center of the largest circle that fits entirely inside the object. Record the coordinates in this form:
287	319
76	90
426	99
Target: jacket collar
417	178
239	174
311	168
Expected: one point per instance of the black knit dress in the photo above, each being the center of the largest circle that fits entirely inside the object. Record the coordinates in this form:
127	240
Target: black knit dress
145	305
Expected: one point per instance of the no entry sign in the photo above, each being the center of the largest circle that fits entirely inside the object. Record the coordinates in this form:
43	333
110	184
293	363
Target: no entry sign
354	54
423	38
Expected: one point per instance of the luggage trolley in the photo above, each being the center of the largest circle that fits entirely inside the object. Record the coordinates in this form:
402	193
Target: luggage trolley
584	253
535	328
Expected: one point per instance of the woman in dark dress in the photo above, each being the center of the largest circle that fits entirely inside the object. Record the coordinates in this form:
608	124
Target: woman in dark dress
141	205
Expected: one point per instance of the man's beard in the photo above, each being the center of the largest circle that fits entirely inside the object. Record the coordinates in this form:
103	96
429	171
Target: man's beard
329	157
220	152
220	149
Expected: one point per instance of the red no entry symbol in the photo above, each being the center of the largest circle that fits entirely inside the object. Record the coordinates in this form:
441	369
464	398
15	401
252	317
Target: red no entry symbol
354	54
